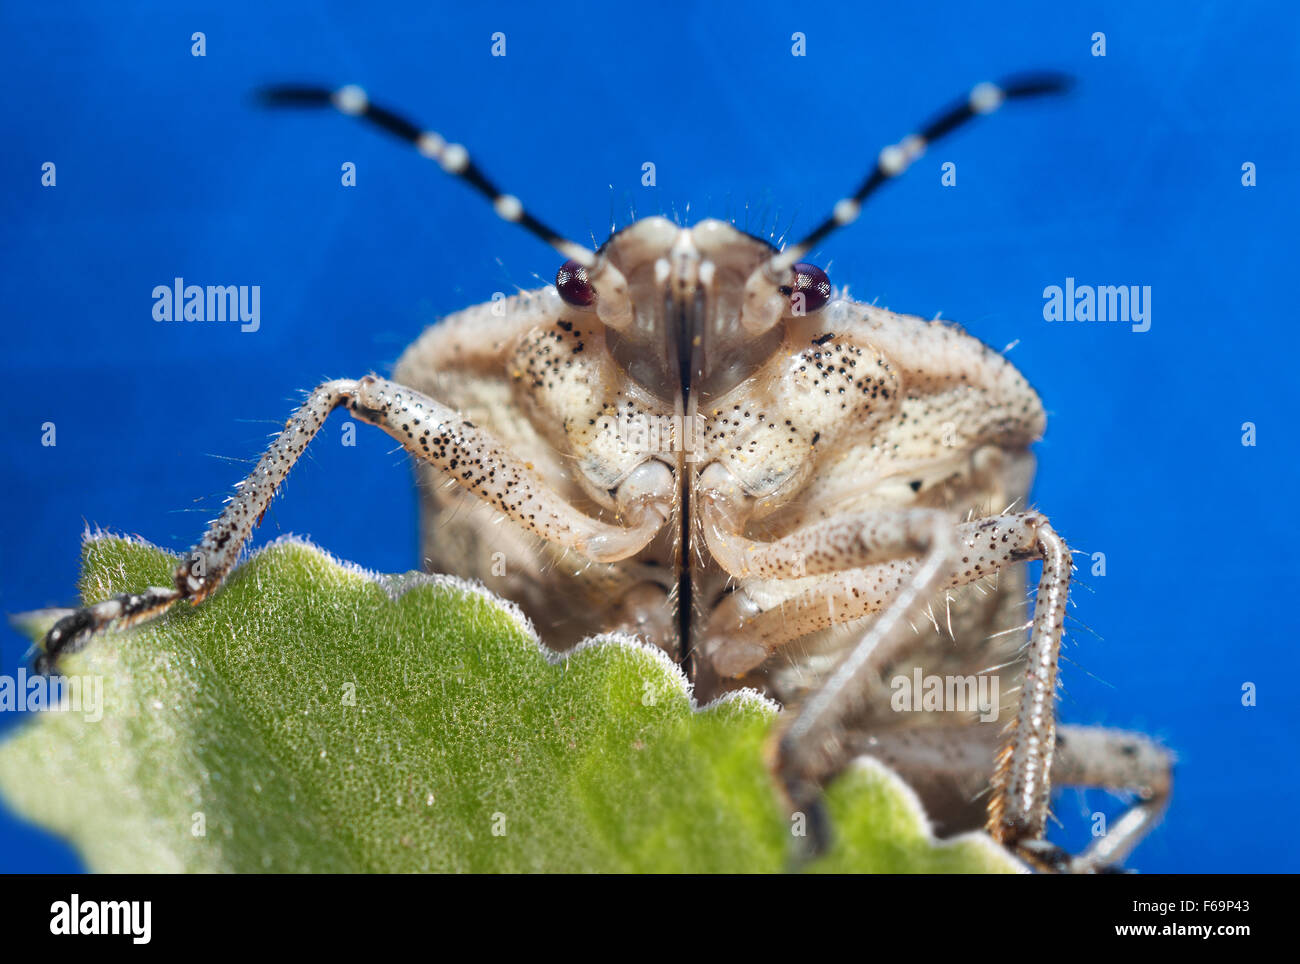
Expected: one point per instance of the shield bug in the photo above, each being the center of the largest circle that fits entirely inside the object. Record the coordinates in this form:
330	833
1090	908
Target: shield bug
692	436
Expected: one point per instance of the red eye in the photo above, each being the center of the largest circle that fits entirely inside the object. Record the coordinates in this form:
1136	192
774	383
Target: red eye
812	283
571	281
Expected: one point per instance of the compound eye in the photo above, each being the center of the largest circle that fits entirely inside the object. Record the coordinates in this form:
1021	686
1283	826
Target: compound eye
572	284
811	282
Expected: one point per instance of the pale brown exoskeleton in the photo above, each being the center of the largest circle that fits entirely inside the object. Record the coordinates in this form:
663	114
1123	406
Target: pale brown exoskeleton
693	437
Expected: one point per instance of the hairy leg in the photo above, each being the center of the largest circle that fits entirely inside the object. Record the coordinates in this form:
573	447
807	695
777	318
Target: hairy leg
811	749
428	430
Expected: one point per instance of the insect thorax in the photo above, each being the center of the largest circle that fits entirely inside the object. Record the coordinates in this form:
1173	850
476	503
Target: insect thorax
846	409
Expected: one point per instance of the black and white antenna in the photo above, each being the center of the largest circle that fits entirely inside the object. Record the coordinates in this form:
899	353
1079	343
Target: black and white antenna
453	158
897	158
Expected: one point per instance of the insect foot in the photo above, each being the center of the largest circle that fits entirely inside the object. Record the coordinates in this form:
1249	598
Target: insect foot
74	631
1043	856
799	777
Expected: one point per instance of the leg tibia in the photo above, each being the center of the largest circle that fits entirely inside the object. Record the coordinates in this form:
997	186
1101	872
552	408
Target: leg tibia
431	432
1115	760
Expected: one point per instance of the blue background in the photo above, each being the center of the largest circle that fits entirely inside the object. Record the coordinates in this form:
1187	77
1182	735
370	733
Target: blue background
165	168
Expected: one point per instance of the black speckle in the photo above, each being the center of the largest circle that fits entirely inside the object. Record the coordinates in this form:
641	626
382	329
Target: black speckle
823	339
915	485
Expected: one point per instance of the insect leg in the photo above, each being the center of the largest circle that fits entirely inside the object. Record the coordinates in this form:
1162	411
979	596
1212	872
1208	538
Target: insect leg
948	767
430	431
1094	756
841	575
851	555
810	750
440	436
802	758
207	564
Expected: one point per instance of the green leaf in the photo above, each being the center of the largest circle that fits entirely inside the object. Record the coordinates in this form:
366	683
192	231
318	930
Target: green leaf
311	717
